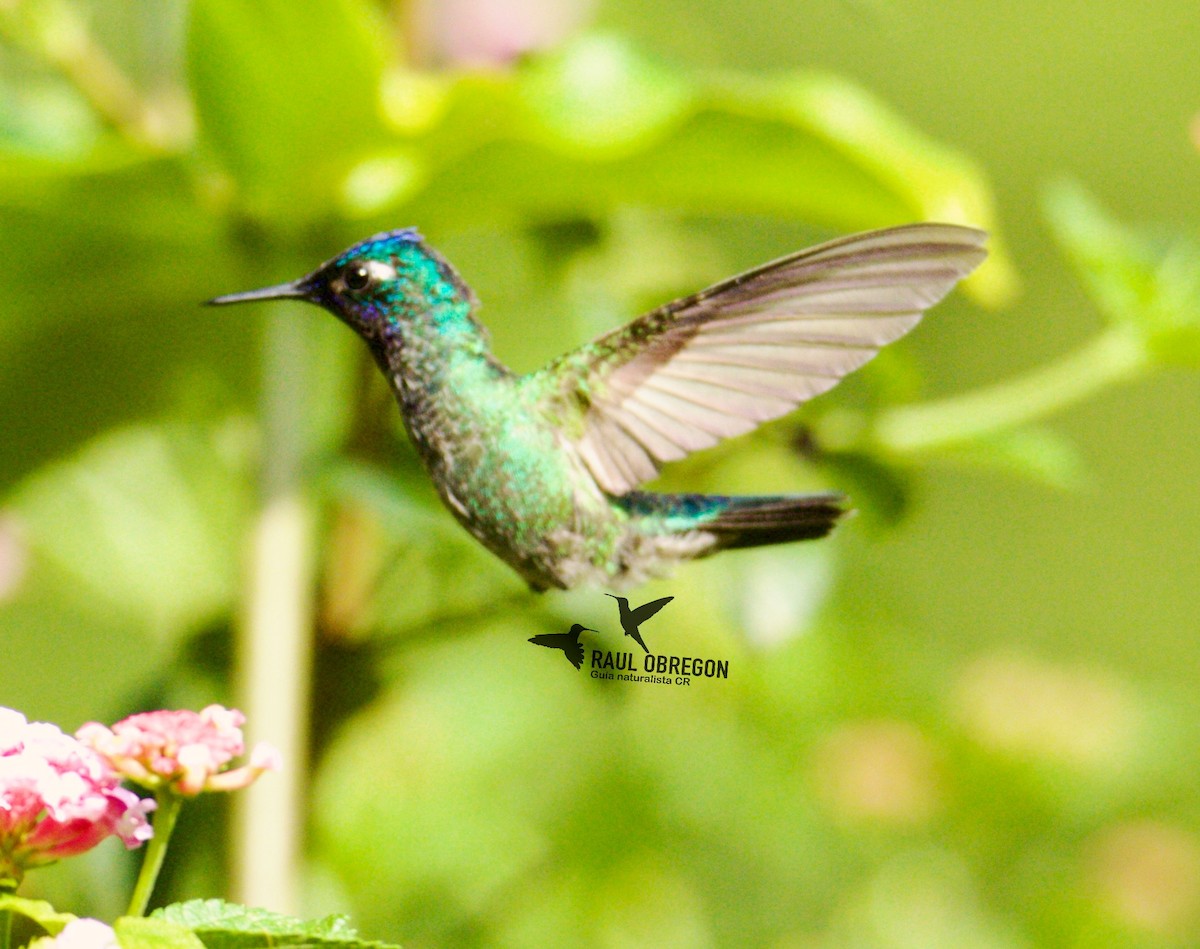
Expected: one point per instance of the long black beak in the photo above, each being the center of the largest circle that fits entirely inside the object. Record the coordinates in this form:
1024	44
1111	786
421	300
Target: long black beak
296	290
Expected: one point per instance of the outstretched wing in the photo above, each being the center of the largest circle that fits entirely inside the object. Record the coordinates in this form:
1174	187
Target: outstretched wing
750	349
646	610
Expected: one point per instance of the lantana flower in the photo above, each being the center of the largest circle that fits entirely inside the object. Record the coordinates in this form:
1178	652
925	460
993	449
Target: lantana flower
58	798
83	934
182	751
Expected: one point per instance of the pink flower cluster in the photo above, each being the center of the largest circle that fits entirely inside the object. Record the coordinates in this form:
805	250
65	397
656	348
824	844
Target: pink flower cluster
58	798
184	751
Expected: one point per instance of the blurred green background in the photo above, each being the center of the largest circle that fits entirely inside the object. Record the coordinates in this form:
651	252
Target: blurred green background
969	719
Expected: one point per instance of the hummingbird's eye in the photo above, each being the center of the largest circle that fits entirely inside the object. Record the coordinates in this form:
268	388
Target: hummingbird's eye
356	276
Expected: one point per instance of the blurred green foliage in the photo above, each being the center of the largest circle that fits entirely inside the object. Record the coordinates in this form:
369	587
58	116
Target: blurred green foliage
907	753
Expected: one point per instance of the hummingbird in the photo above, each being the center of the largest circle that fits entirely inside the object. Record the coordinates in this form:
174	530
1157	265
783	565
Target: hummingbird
543	468
631	620
568	642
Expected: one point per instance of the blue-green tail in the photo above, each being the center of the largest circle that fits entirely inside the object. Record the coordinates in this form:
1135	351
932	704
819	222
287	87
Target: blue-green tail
740	521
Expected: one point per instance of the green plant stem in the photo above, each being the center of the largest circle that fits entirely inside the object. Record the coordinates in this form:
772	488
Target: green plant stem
274	673
1116	355
275	637
7	888
165	816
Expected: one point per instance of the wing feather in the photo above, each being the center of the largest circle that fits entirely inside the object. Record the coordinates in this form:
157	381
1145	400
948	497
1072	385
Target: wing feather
720	362
623	456
657	443
687	439
716	422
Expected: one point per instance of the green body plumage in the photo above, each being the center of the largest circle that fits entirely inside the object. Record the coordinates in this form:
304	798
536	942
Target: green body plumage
542	468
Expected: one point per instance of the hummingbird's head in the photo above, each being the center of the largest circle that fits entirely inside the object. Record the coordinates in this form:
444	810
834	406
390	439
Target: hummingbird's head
375	286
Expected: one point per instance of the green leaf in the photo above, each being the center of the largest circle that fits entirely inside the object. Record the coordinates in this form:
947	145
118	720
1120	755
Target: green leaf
137	932
597	126
124	221
599	97
931	180
221	925
40	911
98	348
40	117
146	521
1148	282
287	97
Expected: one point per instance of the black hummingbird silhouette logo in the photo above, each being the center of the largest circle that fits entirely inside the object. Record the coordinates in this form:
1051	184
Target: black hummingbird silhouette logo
631	620
568	642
